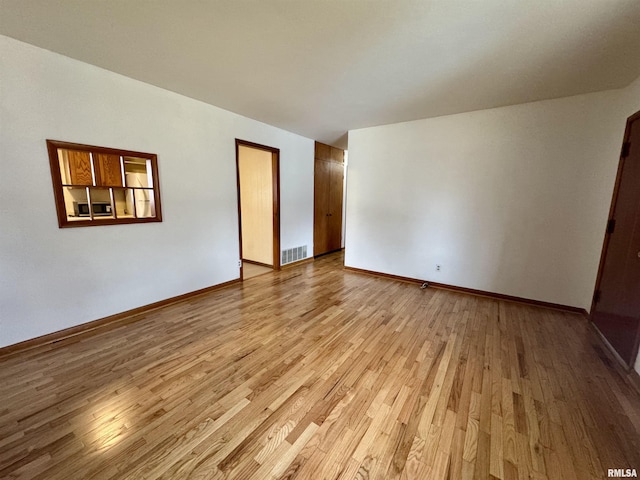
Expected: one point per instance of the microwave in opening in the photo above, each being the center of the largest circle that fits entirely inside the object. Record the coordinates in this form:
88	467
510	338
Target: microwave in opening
100	209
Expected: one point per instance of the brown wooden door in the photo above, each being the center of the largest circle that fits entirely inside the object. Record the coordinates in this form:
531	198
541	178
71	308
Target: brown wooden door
328	186
80	167
322	182
616	307
108	170
334	234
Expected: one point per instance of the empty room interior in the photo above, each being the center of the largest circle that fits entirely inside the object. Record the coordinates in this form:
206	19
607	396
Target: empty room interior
333	239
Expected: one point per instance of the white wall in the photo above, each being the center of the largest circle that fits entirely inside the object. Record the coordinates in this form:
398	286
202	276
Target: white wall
511	200
52	278
631	102
256	200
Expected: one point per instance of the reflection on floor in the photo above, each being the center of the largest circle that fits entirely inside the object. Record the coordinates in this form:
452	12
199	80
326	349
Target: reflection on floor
250	270
315	372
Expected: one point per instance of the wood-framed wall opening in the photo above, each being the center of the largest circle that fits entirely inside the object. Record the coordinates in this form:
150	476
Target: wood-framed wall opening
275	201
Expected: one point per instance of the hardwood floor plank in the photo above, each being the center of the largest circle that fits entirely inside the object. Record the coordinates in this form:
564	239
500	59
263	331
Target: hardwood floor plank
316	372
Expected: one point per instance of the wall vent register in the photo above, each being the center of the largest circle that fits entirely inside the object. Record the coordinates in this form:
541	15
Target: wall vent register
293	254
103	186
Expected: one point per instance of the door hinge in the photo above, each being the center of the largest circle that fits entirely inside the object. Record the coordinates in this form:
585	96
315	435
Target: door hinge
626	146
611	225
596	296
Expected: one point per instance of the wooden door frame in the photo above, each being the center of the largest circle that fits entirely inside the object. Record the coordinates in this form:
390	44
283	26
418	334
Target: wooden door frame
275	174
605	243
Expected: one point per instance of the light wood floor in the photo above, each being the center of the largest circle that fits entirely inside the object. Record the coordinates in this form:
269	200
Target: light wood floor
315	372
250	270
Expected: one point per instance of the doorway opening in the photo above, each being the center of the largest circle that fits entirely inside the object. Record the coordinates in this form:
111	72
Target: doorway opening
258	179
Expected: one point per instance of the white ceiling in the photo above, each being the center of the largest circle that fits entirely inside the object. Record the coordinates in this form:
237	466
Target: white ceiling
322	67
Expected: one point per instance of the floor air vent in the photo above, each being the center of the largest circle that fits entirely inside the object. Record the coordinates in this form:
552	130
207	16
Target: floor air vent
293	254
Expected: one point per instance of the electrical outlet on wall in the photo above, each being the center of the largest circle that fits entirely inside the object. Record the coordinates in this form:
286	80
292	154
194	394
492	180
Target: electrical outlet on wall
437	268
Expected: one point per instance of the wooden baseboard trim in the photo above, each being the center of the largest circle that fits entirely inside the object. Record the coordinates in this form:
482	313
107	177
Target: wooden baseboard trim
106	323
298	263
625	369
244	260
472	291
634	379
